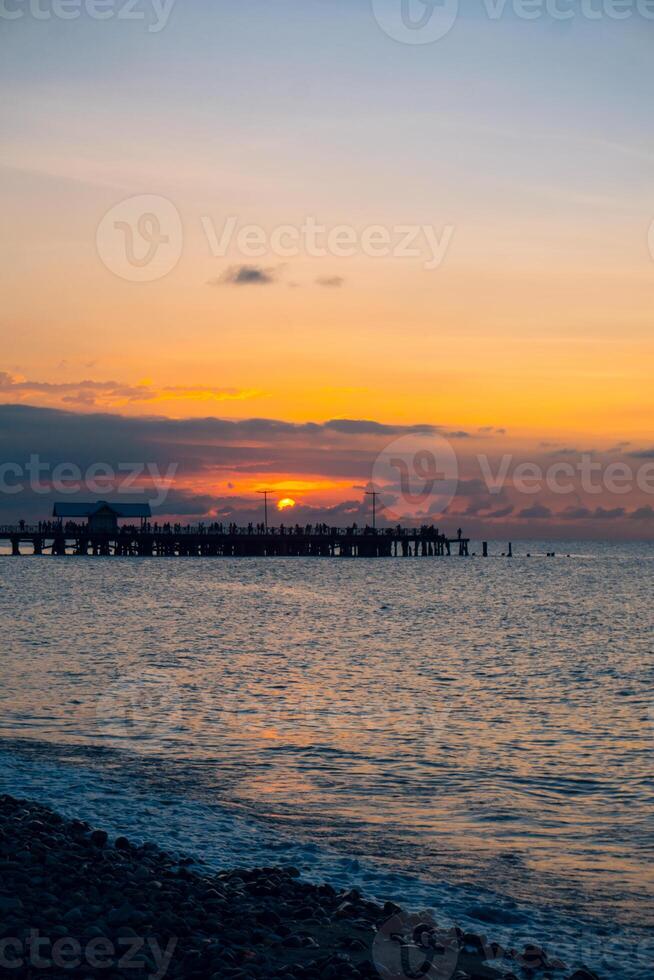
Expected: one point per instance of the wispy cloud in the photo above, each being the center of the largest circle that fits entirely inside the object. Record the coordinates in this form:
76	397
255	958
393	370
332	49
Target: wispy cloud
246	275
110	394
601	513
330	282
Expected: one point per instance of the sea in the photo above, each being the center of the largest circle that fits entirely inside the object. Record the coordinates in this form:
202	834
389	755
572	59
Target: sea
466	735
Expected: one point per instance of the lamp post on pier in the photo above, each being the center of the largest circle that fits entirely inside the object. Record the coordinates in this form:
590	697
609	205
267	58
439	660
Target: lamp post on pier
374	494
265	494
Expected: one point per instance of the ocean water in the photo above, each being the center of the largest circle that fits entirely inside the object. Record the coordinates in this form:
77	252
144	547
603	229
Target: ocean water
473	736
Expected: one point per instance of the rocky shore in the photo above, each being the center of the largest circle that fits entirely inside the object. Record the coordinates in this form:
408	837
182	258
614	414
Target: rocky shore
74	903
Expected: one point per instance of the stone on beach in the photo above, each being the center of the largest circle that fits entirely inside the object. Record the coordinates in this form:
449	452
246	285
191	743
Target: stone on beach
249	923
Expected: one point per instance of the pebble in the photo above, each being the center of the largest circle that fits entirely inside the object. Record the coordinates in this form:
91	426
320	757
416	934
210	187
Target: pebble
244	924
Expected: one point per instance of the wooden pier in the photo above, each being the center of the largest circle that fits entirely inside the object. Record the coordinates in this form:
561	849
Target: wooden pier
231	542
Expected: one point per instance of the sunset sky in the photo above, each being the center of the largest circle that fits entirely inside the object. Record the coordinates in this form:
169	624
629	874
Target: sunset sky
524	146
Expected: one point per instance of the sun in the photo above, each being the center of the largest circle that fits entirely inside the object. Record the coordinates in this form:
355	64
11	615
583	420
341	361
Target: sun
285	503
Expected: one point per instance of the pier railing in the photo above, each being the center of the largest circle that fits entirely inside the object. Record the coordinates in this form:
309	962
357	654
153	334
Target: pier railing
49	528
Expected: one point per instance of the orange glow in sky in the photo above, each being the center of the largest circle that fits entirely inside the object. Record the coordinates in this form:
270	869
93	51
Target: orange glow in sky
486	264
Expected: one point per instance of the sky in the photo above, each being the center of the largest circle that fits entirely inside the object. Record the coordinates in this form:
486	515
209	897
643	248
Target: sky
278	215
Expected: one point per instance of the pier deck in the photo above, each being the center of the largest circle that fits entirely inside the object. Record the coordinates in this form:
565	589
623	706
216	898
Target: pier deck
199	541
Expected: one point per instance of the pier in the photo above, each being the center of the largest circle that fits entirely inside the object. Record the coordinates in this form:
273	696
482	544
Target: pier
254	541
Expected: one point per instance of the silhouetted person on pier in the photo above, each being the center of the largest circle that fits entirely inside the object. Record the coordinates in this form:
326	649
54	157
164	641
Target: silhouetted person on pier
459	534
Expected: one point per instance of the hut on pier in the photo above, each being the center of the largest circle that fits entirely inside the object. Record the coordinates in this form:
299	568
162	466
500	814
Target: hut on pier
101	517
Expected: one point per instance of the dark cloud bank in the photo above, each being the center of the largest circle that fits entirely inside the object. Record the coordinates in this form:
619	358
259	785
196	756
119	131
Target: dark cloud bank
211	454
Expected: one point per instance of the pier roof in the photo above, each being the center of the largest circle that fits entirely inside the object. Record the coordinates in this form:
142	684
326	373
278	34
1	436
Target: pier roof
69	509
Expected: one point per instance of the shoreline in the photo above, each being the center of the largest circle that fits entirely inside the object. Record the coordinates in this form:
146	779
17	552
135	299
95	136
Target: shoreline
87	905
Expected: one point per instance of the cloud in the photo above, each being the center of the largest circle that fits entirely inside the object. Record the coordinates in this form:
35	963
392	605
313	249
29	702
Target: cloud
189	504
575	514
596	514
107	394
611	514
474	488
242	510
246	275
368	427
218	463
83	392
198	392
643	454
535	512
330	282
498	514
342	449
